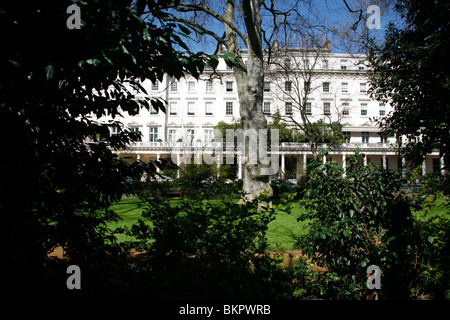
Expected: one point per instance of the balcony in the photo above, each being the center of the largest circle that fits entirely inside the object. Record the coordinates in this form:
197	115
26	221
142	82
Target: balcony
290	147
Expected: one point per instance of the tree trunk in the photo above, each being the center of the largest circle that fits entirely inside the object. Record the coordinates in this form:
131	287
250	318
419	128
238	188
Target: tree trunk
250	84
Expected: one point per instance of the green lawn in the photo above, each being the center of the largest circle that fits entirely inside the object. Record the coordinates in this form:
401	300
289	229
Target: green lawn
282	232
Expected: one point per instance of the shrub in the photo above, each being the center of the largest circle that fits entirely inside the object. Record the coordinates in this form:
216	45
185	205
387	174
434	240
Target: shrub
199	249
354	222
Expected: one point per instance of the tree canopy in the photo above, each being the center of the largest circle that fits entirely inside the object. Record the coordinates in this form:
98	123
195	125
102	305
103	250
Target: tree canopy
411	71
56	188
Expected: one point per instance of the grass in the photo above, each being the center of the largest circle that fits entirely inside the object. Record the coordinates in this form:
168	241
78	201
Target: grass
282	232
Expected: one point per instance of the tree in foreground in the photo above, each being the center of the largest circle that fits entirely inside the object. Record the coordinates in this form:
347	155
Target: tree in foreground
56	189
410	71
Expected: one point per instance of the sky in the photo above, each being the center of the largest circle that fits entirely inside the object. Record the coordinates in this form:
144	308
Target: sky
329	17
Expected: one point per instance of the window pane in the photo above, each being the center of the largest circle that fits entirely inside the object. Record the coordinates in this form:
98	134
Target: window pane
288	108
191	86
362	87
229	108
173	108
209	86
229	86
191	108
208	108
288	86
308	109
345	109
172	135
153	136
326	108
364	109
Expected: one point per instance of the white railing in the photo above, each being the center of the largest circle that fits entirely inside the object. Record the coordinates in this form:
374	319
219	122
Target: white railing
231	146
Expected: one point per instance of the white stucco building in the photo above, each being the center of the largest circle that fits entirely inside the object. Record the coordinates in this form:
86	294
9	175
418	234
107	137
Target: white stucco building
338	91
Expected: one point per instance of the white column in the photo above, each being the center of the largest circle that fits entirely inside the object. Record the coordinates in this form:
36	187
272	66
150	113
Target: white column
178	164
424	166
239	162
324	159
383	163
297	168
282	166
218	164
138	157
441	165
157	159
344	164
304	163
365	159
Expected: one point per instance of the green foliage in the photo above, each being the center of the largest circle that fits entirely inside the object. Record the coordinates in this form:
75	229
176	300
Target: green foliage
410	71
430	260
223	126
285	132
430	245
54	80
354	222
201	250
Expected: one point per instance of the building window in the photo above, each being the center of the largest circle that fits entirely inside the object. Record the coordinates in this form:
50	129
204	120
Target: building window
266	86
136	130
308	110
436	165
382	109
191	86
153	110
209	136
343	64
362	87
172	134
361	67
288	86
306	64
155	86
345	109
307	86
174	86
208	108
266	107
364	109
173	108
326	87
383	138
153	135
347	136
229	108
209	86
229	86
288	108
116	129
324	64
326	108
190	135
191	108
365	137
287	63
344	87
